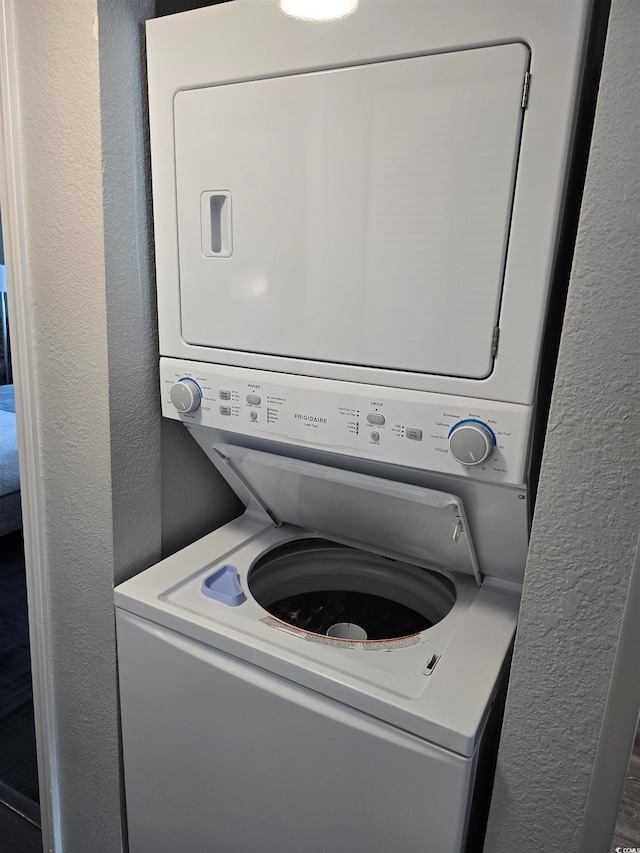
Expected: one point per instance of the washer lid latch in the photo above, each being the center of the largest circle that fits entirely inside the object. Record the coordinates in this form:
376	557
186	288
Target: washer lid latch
430	665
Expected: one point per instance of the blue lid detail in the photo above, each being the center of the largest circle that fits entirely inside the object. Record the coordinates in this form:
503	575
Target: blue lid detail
224	585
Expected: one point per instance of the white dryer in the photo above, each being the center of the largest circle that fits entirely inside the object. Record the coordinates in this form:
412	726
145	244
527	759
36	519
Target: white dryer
356	222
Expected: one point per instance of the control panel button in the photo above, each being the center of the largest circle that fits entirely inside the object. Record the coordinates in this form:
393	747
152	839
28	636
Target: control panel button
225	395
253	415
225	410
375	435
375	418
253	399
413	433
471	442
186	396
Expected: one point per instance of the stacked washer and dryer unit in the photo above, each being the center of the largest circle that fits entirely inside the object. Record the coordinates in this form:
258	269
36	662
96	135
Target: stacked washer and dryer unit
356	221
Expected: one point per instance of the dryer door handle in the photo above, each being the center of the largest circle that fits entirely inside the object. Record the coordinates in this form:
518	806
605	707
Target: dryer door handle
215	221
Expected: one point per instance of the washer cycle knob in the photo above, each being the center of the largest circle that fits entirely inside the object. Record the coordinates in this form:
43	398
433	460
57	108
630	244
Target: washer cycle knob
186	396
471	442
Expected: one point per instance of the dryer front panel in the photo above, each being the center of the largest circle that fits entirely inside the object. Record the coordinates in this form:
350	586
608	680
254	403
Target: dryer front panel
356	215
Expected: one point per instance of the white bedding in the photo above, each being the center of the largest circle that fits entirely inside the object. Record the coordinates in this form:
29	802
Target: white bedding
9	475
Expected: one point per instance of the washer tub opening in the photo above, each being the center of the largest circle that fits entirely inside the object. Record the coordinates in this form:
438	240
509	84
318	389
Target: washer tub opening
348	594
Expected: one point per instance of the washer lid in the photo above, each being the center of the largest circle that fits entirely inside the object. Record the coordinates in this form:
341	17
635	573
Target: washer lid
408	522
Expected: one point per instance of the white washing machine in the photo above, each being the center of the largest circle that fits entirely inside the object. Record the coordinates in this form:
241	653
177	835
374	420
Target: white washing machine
282	690
356	222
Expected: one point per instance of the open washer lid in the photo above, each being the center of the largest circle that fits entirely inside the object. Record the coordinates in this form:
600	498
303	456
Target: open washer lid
403	521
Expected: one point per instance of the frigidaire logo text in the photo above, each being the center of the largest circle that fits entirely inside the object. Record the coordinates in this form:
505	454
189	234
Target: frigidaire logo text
311	418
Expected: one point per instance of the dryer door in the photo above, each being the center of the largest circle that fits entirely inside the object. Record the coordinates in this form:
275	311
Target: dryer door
354	215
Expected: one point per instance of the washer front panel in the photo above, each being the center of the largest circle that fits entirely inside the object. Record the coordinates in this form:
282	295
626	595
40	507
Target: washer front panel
409	428
221	755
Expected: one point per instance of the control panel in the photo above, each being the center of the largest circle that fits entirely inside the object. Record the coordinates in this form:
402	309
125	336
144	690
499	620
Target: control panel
482	439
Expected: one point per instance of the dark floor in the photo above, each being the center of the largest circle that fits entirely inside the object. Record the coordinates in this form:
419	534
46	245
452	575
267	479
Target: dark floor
628	824
19	810
17	834
18	767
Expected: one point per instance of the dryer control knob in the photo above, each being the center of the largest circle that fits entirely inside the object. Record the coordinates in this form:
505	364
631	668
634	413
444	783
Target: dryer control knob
186	396
471	442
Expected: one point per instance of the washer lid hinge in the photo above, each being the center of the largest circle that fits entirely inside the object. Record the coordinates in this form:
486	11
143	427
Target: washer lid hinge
247	485
458	528
525	90
494	341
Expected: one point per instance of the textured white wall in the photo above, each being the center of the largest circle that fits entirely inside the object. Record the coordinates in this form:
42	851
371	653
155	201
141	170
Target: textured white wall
88	237
135	437
57	56
586	521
